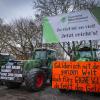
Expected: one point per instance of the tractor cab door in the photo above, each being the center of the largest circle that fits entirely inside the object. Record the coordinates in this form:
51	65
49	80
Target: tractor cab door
51	56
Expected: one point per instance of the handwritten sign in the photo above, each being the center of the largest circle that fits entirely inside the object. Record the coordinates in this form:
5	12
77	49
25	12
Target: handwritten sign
83	76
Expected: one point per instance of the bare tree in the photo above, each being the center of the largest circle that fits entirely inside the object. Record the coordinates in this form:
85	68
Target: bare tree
85	4
23	32
20	38
54	7
51	7
4	37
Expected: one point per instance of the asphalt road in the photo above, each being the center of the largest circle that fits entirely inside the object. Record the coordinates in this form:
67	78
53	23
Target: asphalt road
46	94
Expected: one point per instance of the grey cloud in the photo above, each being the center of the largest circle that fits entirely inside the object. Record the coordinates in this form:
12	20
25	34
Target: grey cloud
10	9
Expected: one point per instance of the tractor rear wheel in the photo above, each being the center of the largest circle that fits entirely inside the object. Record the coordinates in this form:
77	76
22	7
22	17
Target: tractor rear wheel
35	80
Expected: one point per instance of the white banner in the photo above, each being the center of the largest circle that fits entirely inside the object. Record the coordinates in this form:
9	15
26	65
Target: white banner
74	26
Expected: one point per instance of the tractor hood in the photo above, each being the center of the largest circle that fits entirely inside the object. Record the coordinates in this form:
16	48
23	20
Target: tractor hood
30	64
84	59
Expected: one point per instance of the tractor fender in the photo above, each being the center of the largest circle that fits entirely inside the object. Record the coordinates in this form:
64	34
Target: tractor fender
35	70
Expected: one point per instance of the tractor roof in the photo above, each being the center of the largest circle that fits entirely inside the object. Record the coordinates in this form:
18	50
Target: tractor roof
87	49
45	49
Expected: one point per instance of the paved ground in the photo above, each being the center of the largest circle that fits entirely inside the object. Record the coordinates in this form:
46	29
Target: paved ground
46	94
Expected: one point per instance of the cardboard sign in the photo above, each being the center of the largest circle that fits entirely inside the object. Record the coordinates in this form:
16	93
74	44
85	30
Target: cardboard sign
83	76
73	26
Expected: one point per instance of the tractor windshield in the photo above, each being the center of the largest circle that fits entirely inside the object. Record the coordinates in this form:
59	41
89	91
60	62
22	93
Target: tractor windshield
85	54
88	54
40	54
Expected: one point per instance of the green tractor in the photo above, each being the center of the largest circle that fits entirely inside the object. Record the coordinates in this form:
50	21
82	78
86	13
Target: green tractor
34	72
38	70
83	54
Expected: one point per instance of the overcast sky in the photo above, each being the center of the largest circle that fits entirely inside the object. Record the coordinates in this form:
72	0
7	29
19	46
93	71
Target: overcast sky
14	9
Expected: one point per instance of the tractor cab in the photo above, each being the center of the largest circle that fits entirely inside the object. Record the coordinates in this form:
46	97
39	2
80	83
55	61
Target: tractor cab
44	54
42	57
4	58
87	54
